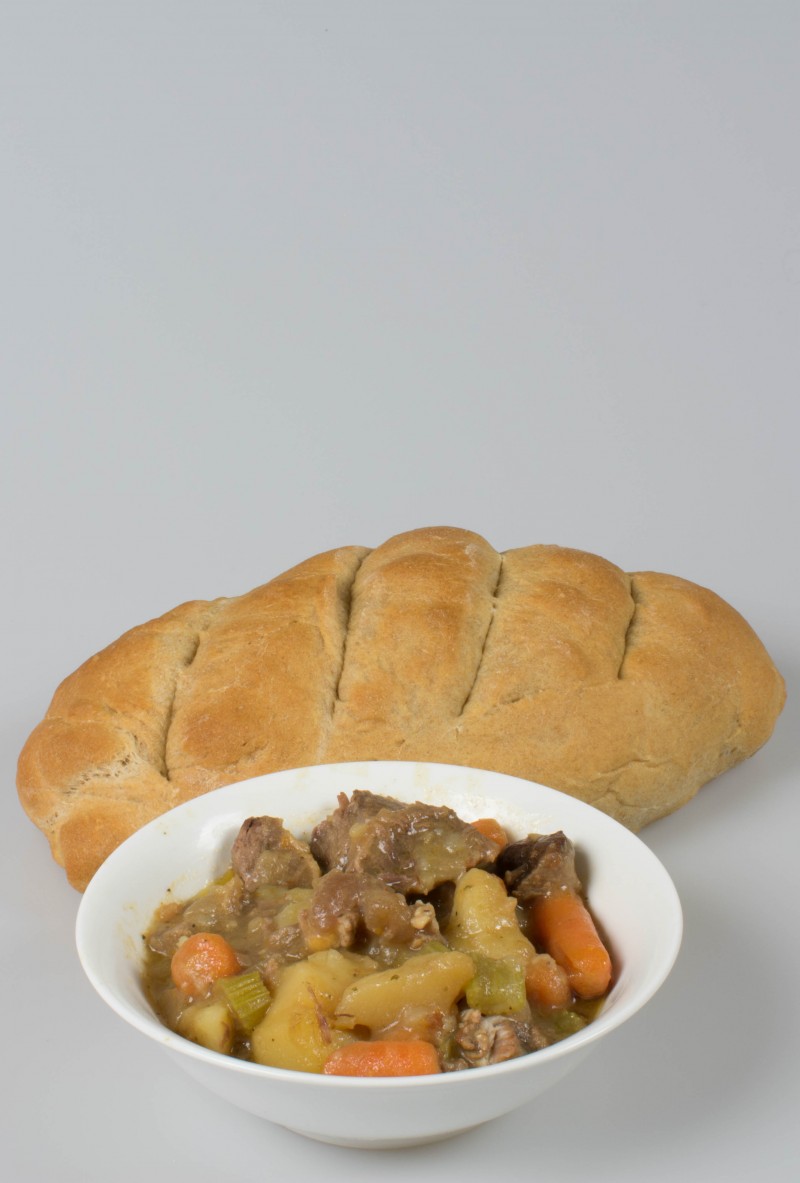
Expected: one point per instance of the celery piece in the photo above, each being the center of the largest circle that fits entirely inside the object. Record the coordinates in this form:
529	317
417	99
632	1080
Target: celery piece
498	987
246	996
567	1022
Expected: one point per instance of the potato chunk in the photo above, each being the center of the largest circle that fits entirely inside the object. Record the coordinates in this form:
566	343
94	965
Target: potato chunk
483	920
210	1024
295	1032
377	1001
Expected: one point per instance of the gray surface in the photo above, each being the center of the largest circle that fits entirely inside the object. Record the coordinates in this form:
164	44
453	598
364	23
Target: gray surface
281	277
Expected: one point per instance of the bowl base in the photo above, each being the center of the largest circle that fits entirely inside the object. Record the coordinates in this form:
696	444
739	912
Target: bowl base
380	1143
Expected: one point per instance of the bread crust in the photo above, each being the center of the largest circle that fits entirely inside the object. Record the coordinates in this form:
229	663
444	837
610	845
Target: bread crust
629	691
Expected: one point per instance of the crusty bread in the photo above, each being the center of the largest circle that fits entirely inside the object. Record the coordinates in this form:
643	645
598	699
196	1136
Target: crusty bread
628	691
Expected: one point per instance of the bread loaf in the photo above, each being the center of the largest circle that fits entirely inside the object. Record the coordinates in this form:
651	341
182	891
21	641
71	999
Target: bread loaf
628	691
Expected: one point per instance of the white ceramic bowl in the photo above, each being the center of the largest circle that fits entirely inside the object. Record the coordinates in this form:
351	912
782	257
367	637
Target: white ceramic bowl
629	891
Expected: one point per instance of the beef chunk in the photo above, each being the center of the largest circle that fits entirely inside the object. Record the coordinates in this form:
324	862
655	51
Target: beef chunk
330	841
348	908
411	848
265	852
490	1039
416	848
539	866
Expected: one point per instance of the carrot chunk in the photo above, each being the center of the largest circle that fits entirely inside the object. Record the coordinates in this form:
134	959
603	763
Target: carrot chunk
562	924
200	961
491	829
547	984
384	1057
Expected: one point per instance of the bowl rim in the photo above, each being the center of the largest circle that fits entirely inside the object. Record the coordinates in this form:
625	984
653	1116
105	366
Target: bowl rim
601	1026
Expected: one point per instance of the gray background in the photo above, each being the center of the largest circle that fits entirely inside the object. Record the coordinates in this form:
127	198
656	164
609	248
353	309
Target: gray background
280	277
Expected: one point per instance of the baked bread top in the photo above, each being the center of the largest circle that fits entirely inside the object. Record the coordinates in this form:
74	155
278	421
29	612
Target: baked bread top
628	691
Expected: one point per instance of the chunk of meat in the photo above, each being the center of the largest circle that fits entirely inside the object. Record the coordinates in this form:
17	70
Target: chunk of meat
539	865
416	848
266	853
348	908
490	1039
330	841
411	848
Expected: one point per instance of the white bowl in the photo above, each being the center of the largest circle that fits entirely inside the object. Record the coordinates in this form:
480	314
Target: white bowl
629	891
